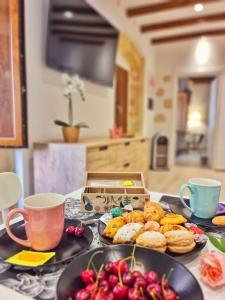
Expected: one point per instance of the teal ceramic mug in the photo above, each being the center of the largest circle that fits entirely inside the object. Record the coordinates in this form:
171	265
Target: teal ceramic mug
204	197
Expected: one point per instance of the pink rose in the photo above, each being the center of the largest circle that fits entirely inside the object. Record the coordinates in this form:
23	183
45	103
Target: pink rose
212	268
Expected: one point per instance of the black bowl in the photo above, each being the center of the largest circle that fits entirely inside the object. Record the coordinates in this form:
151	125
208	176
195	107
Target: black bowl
180	279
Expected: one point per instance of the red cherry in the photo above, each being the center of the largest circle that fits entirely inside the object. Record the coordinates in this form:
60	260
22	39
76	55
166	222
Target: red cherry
113	279
87	276
79	231
140	282
137	274
151	277
155	289
104	286
164	283
102	276
134	294
100	296
108	267
128	278
110	296
119	292
119	266
91	288
82	294
170	295
70	230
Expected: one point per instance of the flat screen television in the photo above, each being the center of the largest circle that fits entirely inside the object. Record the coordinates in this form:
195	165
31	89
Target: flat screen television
81	41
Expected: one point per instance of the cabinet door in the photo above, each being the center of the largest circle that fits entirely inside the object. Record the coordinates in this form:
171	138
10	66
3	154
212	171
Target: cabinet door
182	111
12	75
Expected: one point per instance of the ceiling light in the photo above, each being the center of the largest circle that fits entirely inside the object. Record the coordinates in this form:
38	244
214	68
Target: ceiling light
202	51
68	14
198	7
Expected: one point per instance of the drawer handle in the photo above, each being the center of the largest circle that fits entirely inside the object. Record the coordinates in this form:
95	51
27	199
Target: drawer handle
103	148
127	143
142	140
126	165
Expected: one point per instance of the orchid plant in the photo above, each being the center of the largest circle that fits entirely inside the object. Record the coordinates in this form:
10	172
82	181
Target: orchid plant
73	84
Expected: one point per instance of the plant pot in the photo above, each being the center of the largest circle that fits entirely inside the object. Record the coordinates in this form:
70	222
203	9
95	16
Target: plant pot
71	134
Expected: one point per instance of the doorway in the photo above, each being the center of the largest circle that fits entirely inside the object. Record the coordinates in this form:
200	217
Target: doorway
121	98
195	122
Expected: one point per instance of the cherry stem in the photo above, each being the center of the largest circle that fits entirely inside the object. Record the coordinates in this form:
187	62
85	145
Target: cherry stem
92	256
133	260
153	296
119	271
100	269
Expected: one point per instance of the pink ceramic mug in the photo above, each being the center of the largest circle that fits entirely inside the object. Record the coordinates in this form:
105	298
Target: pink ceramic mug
44	221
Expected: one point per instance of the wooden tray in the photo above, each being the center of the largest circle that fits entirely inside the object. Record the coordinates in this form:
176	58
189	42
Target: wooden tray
104	191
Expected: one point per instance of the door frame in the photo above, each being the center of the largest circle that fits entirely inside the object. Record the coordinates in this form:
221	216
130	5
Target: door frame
211	72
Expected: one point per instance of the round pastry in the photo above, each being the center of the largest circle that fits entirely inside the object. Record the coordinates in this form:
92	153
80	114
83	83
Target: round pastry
219	221
180	241
172	219
128	233
153	240
169	227
113	226
152	226
153	211
181	249
135	216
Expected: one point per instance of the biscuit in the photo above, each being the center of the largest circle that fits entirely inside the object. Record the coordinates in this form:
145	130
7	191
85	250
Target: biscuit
181	249
152	240
113	226
219	221
153	211
172	219
136	216
169	227
179	237
128	233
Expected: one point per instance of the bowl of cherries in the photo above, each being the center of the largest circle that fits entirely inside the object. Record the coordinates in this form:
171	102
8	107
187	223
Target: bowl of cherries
126	272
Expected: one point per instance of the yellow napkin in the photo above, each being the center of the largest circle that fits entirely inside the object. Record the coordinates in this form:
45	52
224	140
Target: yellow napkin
30	258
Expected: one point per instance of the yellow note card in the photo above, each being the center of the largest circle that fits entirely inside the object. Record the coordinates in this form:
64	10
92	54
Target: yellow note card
127	183
30	258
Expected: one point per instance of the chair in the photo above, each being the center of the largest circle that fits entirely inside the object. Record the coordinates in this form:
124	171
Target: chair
10	192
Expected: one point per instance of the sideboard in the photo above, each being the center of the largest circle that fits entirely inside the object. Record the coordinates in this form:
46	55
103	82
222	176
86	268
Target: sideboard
61	167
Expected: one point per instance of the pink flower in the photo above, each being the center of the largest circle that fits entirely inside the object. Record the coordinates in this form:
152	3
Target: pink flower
212	268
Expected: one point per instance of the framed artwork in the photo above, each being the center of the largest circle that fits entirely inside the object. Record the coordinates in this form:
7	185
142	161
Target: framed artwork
13	121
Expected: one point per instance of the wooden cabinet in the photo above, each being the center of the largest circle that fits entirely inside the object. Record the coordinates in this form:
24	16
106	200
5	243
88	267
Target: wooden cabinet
61	167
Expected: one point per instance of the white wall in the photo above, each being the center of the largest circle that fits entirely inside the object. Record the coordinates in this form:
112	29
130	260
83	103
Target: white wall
178	59
44	95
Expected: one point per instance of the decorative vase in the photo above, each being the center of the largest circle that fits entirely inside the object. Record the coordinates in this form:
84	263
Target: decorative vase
71	134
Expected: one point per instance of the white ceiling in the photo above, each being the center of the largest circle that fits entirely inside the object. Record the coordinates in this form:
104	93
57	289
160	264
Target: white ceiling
172	15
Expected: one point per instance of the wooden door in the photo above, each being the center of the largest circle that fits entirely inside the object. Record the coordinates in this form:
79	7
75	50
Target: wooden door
182	111
121	98
12	75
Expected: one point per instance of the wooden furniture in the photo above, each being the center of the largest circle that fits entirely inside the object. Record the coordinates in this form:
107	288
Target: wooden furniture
182	111
160	152
12	75
60	167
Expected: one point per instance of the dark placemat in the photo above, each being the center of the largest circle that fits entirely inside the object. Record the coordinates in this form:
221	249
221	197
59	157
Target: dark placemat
177	207
41	283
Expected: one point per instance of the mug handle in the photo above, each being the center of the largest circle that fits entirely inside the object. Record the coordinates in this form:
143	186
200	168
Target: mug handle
14	211
181	192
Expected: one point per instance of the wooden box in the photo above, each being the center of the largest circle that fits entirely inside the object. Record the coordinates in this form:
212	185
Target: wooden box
105	190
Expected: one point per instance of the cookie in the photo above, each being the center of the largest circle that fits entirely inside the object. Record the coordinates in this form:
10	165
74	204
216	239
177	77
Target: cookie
128	233
181	249
219	221
170	227
152	240
136	216
179	237
173	219
113	226
153	211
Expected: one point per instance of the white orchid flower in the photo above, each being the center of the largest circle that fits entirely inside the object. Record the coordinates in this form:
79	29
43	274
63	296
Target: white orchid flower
66	78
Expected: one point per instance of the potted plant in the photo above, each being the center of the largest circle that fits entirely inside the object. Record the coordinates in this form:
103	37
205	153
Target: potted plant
70	130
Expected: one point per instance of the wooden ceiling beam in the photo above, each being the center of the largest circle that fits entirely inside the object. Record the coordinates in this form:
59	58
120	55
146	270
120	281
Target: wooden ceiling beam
183	22
181	37
160	7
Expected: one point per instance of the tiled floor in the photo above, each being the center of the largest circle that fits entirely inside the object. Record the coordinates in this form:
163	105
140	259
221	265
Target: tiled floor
169	181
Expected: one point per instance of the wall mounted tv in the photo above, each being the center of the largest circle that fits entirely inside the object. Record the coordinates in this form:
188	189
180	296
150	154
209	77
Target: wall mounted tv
81	41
